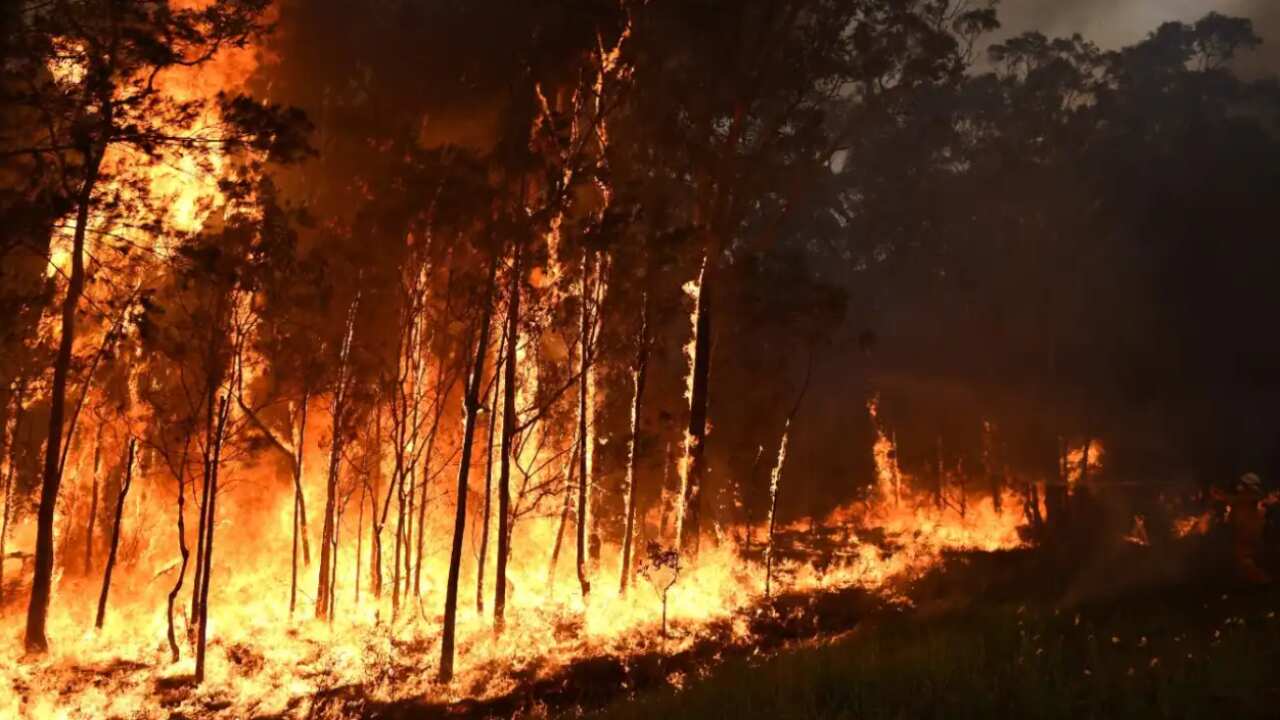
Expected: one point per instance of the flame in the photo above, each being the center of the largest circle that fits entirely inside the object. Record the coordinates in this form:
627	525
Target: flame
263	662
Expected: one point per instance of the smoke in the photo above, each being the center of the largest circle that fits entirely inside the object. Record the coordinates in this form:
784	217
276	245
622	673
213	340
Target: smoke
1112	25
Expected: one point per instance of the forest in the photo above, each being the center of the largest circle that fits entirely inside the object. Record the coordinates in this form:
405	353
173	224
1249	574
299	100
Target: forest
480	358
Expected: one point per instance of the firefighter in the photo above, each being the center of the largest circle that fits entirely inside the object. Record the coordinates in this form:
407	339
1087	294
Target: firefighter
1245	516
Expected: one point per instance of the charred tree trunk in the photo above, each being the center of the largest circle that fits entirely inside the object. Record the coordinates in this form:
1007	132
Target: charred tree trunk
6	510
324	586
633	454
583	429
564	517
509	423
482	563
93	502
299	506
115	535
182	548
774	480
471	408
35	640
695	471
210	509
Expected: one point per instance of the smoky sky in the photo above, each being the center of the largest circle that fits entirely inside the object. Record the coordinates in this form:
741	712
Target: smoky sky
1115	23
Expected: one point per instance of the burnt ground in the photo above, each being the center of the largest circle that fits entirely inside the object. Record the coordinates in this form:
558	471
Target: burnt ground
594	682
1188	584
1074	631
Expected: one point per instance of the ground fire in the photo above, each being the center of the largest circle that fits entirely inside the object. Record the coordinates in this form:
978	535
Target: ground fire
622	357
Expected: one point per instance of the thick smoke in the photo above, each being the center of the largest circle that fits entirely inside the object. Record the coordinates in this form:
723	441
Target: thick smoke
1113	24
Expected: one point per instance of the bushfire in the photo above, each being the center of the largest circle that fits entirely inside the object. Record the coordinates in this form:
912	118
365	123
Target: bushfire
391	359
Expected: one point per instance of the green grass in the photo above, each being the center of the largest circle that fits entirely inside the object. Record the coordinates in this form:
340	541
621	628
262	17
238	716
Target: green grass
1179	654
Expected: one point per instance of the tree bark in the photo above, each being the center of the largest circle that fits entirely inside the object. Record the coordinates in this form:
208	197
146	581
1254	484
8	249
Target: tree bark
115	534
564	517
324	582
633	454
690	522
7	510
509	427
471	408
482	562
210	510
299	506
35	640
93	501
182	548
583	427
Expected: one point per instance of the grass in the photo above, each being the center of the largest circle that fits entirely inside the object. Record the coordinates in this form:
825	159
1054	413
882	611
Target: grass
1177	653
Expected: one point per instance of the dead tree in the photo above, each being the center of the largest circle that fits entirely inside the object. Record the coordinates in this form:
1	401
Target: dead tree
482	562
565	510
7	510
209	495
181	474
584	382
93	501
471	406
509	429
776	478
695	463
324	585
115	534
633	452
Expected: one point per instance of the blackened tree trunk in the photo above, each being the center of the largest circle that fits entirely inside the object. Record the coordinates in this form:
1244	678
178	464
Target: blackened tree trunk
182	548
633	454
93	501
115	534
695	472
470	408
775	480
7	510
299	505
42	578
324	583
482	562
210	495
509	427
583	428
565	510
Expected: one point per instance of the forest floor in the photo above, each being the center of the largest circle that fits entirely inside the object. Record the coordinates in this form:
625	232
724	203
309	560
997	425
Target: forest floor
1013	635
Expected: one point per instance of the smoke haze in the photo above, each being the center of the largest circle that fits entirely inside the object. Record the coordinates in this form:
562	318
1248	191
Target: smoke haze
1112	24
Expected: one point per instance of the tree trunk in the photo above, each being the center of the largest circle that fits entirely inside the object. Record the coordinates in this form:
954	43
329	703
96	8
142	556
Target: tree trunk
42	579
583	427
115	535
633	454
324	586
93	502
774	480
210	505
482	563
7	510
472	406
182	547
695	471
330	509
564	517
509	423
299	505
